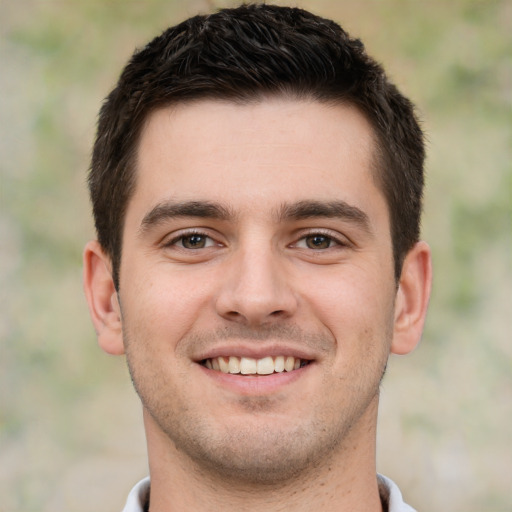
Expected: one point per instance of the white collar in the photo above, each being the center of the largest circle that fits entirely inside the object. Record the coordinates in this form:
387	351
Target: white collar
138	499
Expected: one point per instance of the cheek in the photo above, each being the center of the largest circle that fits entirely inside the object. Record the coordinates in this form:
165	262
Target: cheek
352	303
162	307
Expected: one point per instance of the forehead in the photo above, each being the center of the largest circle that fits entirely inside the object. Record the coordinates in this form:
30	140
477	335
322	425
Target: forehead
256	155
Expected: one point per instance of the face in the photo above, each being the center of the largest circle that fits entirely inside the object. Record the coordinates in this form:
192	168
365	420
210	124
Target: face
256	284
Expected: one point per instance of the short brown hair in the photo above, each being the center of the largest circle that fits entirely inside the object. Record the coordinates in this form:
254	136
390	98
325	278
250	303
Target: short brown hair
245	54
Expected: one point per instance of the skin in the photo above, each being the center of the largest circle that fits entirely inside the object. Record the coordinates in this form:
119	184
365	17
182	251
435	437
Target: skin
292	256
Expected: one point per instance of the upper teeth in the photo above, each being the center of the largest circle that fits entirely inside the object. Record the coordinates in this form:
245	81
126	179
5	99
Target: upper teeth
250	366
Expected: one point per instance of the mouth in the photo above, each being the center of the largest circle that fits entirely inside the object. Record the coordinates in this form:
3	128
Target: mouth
250	366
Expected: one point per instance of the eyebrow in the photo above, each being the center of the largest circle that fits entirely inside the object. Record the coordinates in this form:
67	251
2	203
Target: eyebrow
331	209
301	210
168	210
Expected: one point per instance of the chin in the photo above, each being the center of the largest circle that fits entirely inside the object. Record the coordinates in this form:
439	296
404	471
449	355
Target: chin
260	457
259	452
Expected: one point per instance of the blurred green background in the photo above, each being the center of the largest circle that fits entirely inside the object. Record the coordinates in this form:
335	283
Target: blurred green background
71	437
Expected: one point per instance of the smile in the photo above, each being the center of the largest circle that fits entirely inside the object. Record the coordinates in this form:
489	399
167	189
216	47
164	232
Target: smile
250	366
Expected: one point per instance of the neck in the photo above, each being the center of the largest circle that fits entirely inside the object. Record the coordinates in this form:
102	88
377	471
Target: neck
345	481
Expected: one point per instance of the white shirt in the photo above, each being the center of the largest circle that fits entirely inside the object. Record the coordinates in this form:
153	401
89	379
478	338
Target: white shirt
389	494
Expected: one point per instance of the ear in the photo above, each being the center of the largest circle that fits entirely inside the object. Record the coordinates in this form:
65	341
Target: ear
102	299
412	299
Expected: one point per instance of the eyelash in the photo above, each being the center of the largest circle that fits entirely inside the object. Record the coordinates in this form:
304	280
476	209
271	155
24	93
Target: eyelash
318	233
338	241
174	241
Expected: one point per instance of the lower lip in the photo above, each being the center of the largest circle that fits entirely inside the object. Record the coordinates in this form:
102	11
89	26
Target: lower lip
255	384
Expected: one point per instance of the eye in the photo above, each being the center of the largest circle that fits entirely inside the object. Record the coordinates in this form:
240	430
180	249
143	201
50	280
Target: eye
317	241
192	241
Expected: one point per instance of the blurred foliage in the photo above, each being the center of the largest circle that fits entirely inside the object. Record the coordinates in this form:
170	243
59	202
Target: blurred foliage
57	415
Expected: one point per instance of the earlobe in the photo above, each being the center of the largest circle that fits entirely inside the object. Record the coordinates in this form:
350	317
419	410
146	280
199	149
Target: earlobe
412	299
102	299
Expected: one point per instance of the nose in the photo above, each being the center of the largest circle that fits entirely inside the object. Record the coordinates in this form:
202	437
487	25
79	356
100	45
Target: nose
256	288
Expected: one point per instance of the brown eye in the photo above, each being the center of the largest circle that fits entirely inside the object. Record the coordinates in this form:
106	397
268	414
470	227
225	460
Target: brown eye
194	241
318	242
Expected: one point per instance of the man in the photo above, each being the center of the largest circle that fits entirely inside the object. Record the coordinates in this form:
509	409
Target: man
256	184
